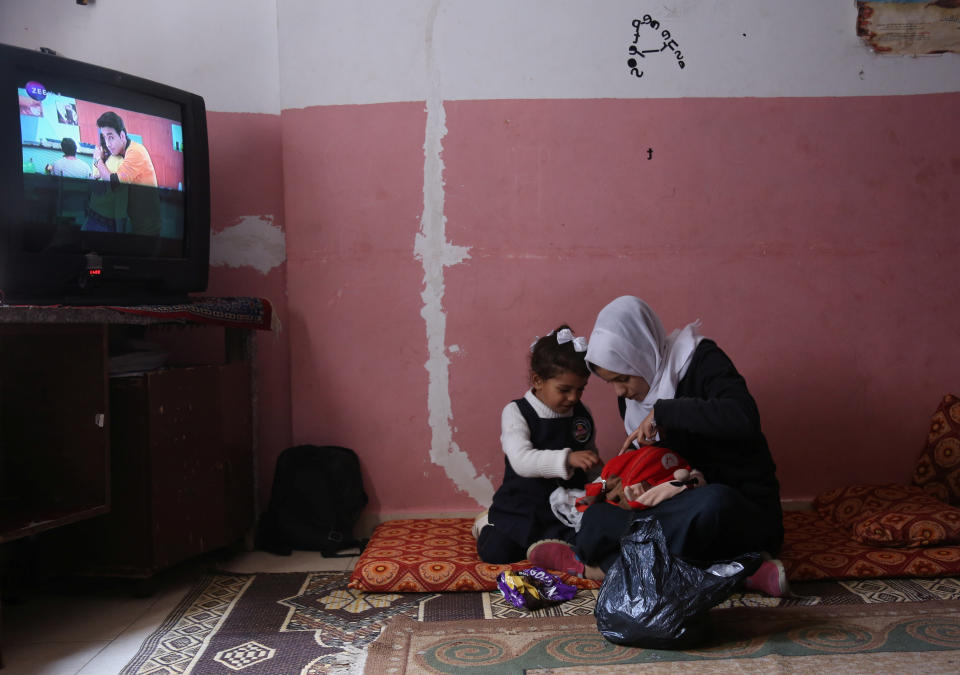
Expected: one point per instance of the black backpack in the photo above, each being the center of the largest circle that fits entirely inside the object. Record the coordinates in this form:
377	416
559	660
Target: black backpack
316	501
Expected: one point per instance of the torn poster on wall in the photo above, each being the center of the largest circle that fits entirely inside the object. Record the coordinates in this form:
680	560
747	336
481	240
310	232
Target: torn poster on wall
910	26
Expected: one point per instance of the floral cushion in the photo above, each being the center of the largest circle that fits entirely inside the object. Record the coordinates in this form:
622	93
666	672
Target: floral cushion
926	522
938	467
844	506
430	555
816	549
890	515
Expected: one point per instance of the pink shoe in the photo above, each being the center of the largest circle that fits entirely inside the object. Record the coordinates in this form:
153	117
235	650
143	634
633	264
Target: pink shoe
556	555
770	578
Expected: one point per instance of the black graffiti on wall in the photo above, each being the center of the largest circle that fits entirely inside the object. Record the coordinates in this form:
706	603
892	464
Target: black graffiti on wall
646	36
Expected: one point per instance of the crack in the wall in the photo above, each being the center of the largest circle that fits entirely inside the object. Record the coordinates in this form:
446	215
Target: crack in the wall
435	253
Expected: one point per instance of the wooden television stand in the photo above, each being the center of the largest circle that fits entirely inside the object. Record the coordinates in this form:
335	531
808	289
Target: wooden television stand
159	466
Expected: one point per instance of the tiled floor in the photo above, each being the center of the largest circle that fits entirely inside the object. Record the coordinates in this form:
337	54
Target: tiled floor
97	632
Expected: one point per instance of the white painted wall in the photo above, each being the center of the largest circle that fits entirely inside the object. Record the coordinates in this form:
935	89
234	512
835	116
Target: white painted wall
336	52
224	51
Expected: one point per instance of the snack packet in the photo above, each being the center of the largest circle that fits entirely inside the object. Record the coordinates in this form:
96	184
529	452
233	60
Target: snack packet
533	588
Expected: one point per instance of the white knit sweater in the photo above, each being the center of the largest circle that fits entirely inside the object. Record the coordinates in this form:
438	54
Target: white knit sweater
526	460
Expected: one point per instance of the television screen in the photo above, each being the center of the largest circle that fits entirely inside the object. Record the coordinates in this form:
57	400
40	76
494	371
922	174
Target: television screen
92	166
110	185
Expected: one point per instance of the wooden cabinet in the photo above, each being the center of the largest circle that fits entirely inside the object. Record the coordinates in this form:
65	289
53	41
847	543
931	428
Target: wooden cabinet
181	466
54	427
145	471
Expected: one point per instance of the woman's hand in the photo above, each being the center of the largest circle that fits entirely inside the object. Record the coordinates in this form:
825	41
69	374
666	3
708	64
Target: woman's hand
645	434
582	459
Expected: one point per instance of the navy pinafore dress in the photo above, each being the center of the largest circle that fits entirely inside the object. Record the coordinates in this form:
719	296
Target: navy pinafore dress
521	506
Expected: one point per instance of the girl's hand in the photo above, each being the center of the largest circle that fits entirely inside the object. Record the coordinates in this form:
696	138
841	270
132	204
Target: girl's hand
645	434
582	459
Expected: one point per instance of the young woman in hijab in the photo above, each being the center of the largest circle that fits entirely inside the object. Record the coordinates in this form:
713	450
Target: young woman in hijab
682	392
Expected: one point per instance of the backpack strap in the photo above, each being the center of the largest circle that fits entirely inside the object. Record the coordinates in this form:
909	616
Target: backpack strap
339	544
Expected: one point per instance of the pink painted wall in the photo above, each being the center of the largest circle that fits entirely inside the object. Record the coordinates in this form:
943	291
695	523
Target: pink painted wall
354	177
815	238
246	179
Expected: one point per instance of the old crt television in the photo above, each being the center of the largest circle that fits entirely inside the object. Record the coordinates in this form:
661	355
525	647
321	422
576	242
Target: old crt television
134	228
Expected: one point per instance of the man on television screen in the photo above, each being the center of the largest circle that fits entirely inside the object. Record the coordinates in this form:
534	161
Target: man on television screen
135	165
132	203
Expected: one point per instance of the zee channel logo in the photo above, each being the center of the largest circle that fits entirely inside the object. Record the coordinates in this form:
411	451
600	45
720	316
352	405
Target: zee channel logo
36	90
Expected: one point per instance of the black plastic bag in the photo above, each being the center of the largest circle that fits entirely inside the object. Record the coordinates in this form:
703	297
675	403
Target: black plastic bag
652	599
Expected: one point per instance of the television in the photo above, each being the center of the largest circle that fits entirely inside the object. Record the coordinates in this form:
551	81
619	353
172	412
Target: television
104	185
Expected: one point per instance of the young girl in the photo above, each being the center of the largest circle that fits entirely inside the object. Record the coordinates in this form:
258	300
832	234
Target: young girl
548	442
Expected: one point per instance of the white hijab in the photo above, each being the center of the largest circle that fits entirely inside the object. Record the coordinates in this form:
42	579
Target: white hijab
629	339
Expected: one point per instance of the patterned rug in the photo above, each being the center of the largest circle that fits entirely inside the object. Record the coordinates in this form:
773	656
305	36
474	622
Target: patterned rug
890	638
313	623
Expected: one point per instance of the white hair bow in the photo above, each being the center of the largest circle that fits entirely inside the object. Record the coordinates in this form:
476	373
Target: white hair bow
566	335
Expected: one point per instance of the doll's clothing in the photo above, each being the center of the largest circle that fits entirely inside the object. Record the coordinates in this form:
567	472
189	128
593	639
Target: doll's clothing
649	464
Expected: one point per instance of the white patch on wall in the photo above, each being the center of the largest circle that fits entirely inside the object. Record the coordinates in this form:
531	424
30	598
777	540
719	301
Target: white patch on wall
253	242
435	253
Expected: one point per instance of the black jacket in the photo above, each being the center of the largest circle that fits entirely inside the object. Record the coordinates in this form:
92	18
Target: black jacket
713	423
